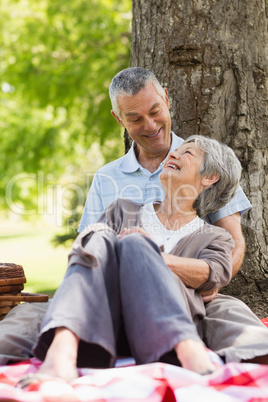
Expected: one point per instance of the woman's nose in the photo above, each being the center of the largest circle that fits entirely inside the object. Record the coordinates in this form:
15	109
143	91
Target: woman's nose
174	155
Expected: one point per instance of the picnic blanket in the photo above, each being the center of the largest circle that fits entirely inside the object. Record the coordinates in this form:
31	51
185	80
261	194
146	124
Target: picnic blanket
149	382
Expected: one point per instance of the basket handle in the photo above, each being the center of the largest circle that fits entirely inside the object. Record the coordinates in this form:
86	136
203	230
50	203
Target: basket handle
25	297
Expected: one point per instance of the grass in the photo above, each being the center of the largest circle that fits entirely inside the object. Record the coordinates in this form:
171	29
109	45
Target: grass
29	245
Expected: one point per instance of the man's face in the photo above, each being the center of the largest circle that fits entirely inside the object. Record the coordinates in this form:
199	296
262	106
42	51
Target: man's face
147	119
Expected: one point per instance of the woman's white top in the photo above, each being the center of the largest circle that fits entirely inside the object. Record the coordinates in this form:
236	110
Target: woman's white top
162	236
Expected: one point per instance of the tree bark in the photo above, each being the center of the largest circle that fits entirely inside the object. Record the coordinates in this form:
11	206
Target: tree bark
212	57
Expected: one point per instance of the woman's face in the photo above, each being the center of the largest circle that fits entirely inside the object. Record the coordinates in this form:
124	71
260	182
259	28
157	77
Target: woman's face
181	171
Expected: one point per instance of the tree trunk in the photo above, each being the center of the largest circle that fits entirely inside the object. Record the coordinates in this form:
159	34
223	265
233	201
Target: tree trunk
212	57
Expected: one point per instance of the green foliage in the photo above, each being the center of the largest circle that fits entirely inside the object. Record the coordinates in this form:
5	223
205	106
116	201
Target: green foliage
44	266
56	62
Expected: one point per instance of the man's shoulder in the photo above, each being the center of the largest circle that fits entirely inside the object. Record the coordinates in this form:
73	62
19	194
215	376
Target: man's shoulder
110	166
239	203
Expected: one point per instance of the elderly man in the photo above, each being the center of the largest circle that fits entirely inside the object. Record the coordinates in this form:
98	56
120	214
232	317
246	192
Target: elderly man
141	105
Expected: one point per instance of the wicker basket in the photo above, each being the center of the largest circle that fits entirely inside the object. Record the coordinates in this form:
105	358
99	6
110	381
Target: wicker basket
12	279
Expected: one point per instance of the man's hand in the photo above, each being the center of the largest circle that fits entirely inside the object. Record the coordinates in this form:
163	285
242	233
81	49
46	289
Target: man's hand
135	229
209	295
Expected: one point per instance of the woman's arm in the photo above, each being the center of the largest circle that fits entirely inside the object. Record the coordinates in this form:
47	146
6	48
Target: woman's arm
201	264
192	272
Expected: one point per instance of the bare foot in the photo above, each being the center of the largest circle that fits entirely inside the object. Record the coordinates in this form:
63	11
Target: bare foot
60	360
193	356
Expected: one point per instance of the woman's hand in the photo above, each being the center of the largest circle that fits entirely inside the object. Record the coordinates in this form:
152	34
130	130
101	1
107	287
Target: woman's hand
135	229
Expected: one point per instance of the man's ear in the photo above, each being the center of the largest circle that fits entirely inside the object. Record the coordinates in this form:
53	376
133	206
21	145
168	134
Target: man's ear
167	98
210	179
117	119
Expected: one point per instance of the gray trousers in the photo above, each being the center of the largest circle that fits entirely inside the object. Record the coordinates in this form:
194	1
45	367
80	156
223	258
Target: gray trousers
120	292
230	329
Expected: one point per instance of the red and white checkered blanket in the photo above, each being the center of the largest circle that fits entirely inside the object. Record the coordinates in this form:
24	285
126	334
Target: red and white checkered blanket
150	382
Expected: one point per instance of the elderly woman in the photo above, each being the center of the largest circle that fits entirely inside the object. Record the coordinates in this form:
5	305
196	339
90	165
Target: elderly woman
119	293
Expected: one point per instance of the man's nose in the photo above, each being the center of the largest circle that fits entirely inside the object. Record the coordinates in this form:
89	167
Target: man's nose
149	124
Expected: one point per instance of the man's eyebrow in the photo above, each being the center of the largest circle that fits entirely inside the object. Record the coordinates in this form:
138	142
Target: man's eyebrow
131	114
155	105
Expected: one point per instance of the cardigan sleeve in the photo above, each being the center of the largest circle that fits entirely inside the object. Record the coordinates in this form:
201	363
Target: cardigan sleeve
218	255
214	245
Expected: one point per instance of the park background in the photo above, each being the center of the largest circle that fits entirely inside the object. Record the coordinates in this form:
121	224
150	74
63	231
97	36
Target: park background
56	62
57	59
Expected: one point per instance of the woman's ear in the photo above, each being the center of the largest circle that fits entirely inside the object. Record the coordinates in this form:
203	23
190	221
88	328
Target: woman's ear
210	179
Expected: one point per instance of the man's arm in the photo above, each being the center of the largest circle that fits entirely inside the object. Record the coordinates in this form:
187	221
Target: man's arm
94	205
232	224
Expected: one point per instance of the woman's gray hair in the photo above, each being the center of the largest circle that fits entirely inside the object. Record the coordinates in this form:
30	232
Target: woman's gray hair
222	161
129	82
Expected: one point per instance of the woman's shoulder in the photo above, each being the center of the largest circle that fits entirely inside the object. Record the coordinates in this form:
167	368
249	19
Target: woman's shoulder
214	231
206	237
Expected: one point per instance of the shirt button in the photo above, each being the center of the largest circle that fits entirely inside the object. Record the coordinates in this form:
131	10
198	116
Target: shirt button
151	178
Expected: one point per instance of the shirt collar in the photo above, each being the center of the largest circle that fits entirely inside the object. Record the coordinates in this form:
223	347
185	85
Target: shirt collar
176	142
129	163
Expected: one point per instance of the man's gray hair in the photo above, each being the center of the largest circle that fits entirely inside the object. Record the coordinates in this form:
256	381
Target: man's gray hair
222	161
129	82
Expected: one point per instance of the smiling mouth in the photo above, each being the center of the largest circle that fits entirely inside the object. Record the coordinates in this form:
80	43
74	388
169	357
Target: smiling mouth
154	135
172	166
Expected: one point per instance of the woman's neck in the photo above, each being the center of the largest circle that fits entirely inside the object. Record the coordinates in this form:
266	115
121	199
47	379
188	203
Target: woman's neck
174	214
